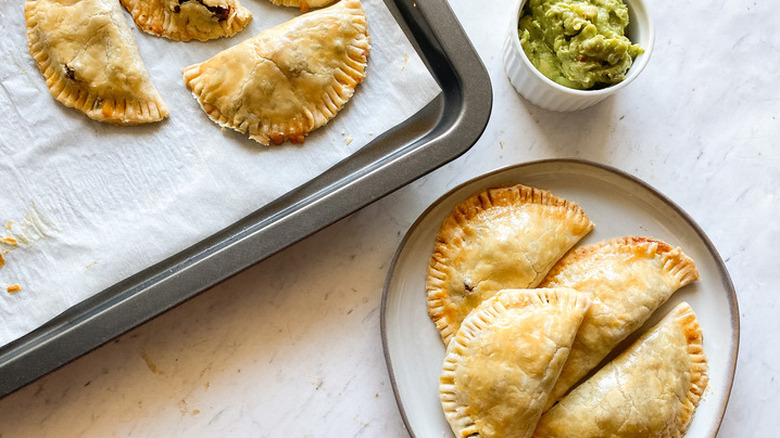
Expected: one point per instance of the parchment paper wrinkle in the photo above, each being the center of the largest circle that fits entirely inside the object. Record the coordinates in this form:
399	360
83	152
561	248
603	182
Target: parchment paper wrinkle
98	203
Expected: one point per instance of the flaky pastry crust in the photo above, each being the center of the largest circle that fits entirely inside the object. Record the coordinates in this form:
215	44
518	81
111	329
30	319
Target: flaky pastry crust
504	359
627	278
505	237
185	20
289	80
88	56
650	390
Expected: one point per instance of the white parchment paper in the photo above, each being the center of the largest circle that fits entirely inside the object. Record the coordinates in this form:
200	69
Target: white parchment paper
89	204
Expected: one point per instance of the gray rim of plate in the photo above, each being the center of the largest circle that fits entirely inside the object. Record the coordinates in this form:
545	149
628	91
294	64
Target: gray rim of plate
724	275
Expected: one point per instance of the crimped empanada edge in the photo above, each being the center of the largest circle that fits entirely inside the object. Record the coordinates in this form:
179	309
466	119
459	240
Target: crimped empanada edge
478	320
681	267
691	329
101	108
159	22
449	239
678	265
334	98
684	319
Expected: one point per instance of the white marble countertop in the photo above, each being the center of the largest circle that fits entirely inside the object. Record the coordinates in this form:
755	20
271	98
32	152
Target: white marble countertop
291	347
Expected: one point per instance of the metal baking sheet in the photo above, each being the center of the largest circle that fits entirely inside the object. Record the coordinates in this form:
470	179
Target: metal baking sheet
440	132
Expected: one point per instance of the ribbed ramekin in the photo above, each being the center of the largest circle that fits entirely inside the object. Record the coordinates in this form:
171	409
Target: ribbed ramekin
545	93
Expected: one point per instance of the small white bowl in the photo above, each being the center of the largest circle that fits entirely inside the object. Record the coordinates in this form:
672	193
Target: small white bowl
543	92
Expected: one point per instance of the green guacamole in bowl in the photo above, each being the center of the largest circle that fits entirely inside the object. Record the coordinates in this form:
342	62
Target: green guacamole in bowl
579	44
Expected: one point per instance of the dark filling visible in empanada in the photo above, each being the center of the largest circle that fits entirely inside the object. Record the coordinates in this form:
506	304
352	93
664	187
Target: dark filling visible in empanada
222	13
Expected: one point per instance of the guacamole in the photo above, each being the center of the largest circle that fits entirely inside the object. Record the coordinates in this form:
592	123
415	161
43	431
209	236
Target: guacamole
578	43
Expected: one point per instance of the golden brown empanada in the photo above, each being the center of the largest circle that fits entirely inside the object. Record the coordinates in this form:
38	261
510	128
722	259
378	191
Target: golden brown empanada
304	5
503	361
651	390
88	56
627	279
288	80
185	20
501	238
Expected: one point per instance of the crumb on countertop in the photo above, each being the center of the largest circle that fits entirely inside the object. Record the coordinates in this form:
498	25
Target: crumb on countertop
13	288
348	140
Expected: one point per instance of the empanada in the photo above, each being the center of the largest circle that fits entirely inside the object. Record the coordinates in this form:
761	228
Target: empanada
88	56
651	390
185	20
288	80
501	238
627	279
503	361
304	5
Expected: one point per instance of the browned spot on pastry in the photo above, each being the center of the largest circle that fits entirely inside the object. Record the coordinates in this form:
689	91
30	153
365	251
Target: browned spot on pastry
10	241
276	137
13	288
304	7
107	110
69	72
2	260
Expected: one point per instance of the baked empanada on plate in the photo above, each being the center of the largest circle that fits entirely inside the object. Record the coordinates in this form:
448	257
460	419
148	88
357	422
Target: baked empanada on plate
304	5
88	56
627	279
289	80
185	20
501	238
503	361
651	390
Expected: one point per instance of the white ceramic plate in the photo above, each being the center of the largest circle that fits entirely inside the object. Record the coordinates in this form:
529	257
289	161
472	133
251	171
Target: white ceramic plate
619	205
